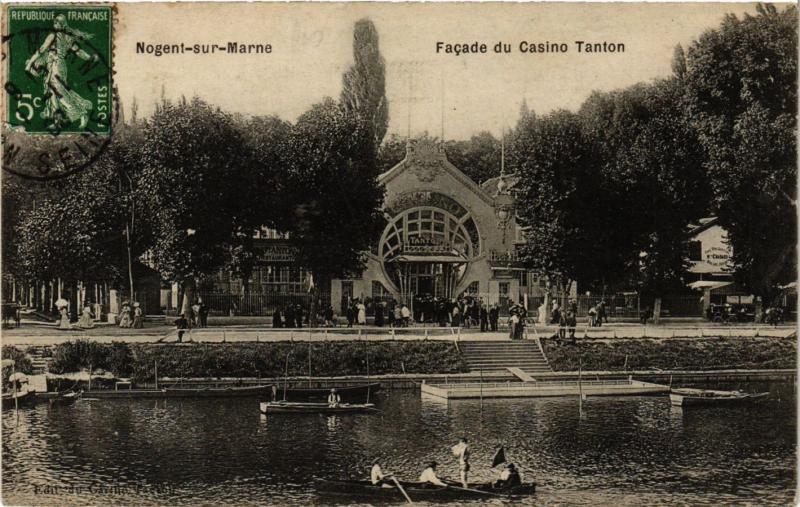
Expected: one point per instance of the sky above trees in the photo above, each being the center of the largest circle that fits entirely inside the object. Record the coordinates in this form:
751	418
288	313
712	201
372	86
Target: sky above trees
312	47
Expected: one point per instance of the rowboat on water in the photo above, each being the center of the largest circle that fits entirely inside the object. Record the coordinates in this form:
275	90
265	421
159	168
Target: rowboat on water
22	397
418	491
351	394
292	407
181	392
684	397
65	398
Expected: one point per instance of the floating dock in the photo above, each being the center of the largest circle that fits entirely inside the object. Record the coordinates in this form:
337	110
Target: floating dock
545	388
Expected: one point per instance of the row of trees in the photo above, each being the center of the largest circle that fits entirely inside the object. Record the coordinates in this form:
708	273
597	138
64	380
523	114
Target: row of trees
607	192
191	184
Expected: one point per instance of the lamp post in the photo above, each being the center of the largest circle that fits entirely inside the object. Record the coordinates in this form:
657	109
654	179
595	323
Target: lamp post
504	212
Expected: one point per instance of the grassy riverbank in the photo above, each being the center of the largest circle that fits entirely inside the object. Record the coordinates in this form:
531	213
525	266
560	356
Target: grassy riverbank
266	359
672	354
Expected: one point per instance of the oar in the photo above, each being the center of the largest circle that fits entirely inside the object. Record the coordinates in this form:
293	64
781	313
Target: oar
452	485
408	498
460	488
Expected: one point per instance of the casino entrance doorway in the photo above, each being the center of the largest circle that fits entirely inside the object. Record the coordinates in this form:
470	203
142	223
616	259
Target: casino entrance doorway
426	250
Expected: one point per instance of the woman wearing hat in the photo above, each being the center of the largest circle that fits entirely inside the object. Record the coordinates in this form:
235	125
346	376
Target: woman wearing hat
63	322
86	322
125	315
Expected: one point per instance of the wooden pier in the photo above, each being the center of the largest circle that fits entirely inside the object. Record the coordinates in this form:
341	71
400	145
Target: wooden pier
476	390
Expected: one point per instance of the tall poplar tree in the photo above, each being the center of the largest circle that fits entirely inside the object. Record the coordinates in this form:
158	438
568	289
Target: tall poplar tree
364	84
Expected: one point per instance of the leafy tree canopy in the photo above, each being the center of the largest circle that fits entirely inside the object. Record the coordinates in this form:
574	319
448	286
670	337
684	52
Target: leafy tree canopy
741	97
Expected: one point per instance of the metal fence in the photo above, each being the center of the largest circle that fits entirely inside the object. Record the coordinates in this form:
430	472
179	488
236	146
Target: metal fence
629	306
622	306
260	304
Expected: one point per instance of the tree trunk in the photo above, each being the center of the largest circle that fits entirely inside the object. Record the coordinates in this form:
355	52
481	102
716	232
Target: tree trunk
37	296
188	300
246	310
547	309
657	310
759	309
73	301
48	290
312	311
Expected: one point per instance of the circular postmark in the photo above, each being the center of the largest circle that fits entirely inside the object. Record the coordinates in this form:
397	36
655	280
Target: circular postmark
58	96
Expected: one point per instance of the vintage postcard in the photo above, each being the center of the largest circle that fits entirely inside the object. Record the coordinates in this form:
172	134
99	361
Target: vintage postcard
296	254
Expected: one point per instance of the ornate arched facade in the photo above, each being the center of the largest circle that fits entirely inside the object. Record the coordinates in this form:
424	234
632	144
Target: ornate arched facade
445	235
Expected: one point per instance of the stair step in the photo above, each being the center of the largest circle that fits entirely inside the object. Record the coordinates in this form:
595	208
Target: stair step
504	356
511	358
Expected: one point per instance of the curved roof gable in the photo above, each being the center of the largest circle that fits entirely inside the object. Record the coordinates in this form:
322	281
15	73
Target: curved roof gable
426	158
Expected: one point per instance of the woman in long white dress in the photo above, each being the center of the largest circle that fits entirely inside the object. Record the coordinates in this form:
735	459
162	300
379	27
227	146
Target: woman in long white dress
362	313
64	322
86	321
125	316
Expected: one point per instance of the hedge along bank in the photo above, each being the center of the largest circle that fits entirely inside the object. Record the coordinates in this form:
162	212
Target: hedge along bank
252	360
672	354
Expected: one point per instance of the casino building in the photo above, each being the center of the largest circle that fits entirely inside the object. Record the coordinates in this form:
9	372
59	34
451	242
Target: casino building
445	236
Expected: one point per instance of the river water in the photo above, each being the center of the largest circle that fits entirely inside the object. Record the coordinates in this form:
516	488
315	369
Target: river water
623	451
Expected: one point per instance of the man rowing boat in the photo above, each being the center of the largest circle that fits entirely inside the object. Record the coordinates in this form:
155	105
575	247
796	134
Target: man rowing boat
429	475
377	477
334	399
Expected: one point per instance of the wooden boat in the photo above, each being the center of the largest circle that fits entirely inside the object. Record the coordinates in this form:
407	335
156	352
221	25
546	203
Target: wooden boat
350	394
181	392
292	407
23	397
421	492
64	398
214	392
686	397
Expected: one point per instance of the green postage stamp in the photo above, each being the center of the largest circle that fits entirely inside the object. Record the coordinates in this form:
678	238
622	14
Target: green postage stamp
58	74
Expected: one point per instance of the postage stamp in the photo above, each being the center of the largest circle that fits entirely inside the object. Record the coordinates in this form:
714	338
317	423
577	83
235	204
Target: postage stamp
59	72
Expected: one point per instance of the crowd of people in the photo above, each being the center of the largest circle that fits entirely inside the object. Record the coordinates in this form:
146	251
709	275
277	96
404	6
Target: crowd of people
466	312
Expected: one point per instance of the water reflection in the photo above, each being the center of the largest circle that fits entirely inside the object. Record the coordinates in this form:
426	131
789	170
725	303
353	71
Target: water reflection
623	451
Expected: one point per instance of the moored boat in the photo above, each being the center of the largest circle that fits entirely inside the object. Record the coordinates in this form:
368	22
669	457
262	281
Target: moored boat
350	394
22	397
421	491
684	397
181	392
213	392
64	398
291	407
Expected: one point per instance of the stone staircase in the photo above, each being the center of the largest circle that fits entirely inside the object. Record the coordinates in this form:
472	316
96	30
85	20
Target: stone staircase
40	362
499	355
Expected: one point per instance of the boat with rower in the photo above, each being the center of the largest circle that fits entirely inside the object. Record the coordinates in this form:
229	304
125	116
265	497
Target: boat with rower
420	491
352	394
686	397
292	407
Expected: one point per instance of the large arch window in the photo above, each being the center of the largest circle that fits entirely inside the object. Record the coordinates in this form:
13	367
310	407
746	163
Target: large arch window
428	230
